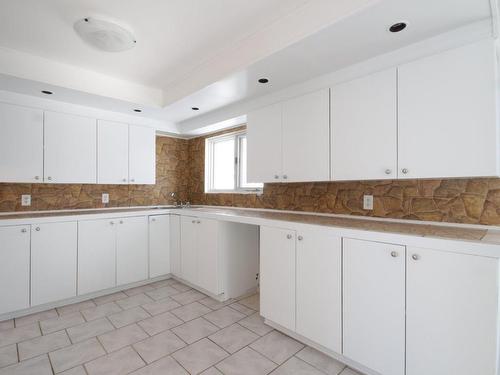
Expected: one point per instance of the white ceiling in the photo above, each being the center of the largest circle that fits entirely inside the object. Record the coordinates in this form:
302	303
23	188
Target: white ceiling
205	53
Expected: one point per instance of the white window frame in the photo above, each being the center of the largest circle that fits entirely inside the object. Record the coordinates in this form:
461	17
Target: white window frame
209	150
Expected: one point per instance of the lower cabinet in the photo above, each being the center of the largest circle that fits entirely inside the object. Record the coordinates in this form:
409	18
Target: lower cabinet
277	275
452	313
14	268
159	245
53	262
374	305
175	245
189	266
131	250
96	255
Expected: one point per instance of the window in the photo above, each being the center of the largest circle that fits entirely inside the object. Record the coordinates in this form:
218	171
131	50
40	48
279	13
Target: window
226	164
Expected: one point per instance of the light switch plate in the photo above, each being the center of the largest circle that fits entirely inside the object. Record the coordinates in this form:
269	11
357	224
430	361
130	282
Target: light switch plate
368	202
25	200
105	198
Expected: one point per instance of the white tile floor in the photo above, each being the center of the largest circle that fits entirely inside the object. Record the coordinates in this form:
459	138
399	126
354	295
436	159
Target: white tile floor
160	328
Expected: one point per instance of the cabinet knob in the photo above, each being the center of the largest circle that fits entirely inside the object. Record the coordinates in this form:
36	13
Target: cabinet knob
415	257
388	171
198	221
23	230
285	177
289	236
112	222
404	170
121	221
124	180
132	180
300	238
49	178
153	219
37	177
37	229
276	176
394	254
194	221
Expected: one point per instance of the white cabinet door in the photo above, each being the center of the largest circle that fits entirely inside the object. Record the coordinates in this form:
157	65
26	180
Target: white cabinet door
14	268
96	255
189	262
319	287
364	128
159	245
21	144
53	262
264	153
131	250
277	276
175	245
112	152
208	257
142	155
306	132
447	114
70	149
452	313
374	305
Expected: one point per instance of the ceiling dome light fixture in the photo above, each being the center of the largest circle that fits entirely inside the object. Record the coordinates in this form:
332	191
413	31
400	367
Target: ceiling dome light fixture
104	35
397	27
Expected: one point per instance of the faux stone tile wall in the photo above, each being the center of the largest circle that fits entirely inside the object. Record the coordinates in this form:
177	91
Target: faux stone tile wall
172	175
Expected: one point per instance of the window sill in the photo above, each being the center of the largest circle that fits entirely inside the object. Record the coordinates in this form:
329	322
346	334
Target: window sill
256	192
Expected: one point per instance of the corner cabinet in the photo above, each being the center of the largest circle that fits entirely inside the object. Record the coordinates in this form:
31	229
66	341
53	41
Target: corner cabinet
289	141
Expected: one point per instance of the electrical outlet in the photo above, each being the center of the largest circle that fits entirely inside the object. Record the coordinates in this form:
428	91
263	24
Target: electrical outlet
25	200
368	202
105	198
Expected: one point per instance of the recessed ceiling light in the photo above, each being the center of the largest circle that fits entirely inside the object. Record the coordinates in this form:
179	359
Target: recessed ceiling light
46	92
195	108
104	35
137	110
397	27
263	80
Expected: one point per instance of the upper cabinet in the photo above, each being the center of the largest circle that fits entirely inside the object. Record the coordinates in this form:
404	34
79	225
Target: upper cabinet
112	153
70	150
447	114
21	144
142	155
364	128
289	141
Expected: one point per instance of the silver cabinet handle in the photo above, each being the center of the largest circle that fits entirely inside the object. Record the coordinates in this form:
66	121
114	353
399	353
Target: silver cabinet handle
153	219
285	176
276	176
415	257
198	221
132	179
112	222
37	229
124	180
289	236
23	230
404	170
388	171
37	177
49	178
300	238
194	221
121	221
394	254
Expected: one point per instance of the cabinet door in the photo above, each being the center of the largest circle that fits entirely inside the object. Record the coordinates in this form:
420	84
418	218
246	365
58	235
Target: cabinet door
189	262
319	287
142	155
131	250
175	245
112	152
96	255
374	305
447	114
14	268
70	149
53	262
452	313
364	128
21	144
277	276
264	153
208	256
159	245
306	132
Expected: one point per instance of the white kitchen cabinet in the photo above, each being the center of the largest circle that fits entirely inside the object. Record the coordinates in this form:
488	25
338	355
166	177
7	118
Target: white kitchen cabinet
208	257
374	305
447	114
264	142
112	152
70	149
319	287
175	245
96	255
364	128
277	275
159	245
306	132
53	262
14	268
452	313
189	263
142	155
21	144
131	250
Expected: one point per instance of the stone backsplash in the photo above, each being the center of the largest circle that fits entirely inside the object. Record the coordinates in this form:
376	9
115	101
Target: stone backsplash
180	169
